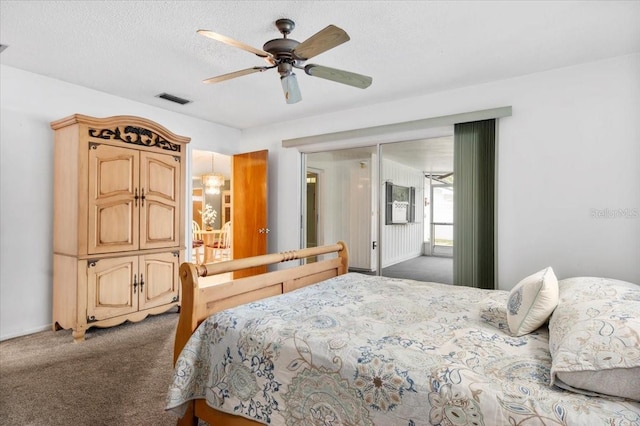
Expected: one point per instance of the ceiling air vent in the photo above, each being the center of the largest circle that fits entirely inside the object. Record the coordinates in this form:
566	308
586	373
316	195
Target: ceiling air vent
173	98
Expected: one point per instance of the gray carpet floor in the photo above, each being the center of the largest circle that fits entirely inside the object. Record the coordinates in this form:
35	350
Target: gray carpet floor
423	268
117	376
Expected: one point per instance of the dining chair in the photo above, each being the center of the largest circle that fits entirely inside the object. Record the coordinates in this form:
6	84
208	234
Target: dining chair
222	246
197	243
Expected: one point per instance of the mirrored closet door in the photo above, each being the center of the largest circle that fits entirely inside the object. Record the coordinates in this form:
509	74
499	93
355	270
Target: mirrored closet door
382	209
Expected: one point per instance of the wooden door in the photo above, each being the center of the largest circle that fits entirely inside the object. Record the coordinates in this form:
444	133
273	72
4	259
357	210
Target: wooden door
113	212
159	282
159	200
249	230
226	207
113	286
197	200
358	199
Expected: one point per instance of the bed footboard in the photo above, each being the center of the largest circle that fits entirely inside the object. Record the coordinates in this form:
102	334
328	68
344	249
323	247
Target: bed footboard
200	302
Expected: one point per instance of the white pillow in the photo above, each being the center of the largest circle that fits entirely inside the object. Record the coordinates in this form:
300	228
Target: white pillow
532	301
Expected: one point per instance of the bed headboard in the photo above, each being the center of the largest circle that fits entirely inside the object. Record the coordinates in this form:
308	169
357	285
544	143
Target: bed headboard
199	302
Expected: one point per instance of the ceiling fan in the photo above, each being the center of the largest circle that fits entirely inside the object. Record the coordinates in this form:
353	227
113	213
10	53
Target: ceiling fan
285	54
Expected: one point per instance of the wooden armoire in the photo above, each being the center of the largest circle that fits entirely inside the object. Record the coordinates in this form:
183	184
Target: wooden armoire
119	233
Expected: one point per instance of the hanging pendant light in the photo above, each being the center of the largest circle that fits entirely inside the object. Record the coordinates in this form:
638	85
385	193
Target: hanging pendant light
212	182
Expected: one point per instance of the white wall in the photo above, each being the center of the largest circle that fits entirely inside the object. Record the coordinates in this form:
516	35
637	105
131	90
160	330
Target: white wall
571	147
29	102
403	242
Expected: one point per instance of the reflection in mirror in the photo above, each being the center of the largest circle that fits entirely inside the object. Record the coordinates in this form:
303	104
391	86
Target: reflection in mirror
339	202
345	199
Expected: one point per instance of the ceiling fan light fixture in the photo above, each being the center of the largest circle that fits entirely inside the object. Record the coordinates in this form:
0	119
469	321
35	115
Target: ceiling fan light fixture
291	88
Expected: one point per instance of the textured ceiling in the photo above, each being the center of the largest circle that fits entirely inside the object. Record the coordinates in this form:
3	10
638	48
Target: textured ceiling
138	49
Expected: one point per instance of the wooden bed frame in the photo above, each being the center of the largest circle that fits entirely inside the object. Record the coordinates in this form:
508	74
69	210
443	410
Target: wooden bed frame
198	302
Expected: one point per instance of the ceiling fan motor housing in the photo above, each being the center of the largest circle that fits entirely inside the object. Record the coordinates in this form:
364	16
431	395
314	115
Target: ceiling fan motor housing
282	51
281	47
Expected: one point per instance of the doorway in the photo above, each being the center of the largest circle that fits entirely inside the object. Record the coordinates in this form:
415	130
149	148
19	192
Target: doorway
440	213
240	204
210	203
205	164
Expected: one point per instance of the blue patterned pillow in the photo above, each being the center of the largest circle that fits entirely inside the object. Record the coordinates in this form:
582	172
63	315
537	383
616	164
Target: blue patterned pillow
532	301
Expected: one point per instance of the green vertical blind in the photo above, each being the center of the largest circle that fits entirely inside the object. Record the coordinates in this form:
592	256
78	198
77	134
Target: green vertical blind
473	211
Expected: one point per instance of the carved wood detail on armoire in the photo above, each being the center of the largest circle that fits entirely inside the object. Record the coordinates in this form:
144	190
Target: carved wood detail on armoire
119	234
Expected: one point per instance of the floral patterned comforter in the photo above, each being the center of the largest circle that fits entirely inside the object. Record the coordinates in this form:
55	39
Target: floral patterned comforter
367	350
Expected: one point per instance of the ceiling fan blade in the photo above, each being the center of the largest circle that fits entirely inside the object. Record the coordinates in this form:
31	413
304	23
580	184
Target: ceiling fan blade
320	42
235	43
235	74
291	88
339	76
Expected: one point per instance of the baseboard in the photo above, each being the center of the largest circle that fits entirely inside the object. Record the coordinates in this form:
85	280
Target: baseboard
25	332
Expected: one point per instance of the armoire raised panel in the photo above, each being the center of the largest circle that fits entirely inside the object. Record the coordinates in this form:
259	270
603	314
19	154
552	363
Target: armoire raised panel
153	282
118	220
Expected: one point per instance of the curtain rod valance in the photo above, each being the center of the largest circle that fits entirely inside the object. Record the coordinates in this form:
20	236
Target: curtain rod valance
407	126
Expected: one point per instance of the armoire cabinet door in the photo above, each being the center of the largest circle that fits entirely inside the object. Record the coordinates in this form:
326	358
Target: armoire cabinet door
160	204
123	285
112	210
113	287
133	199
159	275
